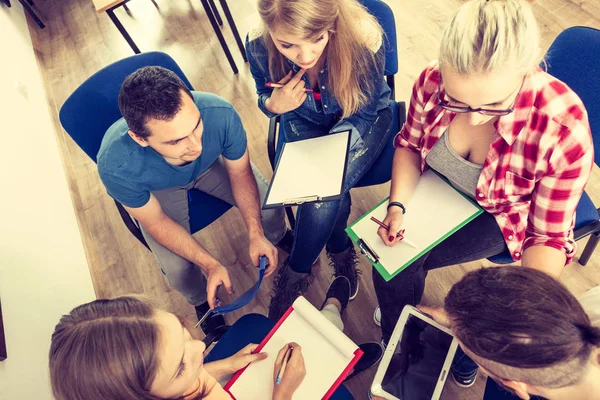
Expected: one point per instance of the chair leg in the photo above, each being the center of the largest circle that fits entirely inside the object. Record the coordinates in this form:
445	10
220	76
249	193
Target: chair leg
128	39
219	34
234	30
589	248
290	216
215	12
37	19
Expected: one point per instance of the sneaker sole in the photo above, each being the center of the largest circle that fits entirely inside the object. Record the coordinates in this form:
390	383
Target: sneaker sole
353	296
377	322
462	385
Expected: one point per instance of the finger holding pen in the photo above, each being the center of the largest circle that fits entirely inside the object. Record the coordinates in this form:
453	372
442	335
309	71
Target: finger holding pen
394	221
289	96
289	370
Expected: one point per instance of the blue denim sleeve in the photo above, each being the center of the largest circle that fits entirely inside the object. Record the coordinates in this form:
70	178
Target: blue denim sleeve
259	68
360	122
235	141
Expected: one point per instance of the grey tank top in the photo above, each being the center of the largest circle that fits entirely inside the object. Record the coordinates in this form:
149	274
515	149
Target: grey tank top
462	174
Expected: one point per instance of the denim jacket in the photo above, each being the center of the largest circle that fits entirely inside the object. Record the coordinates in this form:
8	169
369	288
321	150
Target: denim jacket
328	109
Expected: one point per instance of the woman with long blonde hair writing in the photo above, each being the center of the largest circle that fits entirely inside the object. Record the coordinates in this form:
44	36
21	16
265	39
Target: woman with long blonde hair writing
335	49
503	132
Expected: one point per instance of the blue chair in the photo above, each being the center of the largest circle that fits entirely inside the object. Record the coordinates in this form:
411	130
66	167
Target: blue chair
573	58
381	170
93	108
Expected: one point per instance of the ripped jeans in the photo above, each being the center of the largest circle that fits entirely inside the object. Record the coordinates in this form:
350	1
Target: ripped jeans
324	223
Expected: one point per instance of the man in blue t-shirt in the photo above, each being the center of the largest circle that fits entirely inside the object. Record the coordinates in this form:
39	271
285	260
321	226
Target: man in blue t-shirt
170	141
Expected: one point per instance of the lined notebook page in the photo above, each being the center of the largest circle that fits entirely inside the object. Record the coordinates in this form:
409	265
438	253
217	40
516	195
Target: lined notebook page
311	167
326	350
435	209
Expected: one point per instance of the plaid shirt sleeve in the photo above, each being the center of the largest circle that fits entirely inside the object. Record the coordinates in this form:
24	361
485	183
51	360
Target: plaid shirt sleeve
412	132
556	195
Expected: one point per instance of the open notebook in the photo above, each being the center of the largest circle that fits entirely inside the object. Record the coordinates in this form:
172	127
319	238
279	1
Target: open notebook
435	211
329	356
309	170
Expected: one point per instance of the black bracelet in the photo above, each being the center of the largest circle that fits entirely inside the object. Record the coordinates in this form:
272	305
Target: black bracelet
397	204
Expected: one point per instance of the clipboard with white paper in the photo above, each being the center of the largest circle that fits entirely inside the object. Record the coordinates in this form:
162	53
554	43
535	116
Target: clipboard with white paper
329	356
309	170
436	211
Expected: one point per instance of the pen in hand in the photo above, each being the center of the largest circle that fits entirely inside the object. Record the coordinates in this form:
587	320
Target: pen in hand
279	85
399	234
286	357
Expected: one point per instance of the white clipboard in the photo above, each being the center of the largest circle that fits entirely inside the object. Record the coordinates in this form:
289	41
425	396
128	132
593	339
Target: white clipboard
309	170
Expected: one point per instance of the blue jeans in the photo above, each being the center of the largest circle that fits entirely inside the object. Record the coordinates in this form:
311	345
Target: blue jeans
324	223
252	328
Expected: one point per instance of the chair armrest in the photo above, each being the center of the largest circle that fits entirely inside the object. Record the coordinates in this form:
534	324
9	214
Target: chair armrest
272	140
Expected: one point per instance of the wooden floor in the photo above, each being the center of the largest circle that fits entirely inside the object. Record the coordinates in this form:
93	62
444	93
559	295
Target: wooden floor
77	42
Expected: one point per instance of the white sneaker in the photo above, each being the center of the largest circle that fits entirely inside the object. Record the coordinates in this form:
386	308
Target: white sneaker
377	316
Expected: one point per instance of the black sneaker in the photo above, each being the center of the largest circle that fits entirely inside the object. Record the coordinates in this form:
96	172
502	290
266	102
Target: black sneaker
287	242
464	381
373	352
211	323
344	264
339	290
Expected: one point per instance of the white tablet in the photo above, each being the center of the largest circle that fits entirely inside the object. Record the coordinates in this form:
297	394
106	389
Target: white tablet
417	359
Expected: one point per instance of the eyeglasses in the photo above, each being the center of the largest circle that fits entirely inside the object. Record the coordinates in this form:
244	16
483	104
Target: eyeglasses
484	111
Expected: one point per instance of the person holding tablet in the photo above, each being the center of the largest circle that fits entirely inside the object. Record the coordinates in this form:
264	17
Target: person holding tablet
326	58
503	132
544	342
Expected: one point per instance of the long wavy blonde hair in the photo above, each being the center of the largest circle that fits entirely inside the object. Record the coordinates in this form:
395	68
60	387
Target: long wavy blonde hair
350	58
485	35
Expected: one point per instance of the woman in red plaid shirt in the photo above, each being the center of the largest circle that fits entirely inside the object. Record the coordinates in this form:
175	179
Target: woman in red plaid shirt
503	132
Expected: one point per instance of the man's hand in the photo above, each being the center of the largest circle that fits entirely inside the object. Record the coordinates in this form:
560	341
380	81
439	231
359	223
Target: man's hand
437	313
260	246
217	275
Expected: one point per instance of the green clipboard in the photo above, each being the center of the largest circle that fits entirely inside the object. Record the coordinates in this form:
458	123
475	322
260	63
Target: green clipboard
374	258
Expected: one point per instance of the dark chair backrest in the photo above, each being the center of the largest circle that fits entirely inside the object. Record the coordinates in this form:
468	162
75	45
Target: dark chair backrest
574	58
385	16
93	108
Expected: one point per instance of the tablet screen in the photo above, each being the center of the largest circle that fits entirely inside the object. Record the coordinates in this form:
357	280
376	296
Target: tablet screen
419	357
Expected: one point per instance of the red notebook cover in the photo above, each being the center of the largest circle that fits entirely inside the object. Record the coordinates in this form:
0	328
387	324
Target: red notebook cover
357	355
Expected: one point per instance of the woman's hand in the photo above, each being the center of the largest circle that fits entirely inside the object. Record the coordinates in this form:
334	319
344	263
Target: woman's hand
290	96
244	357
292	376
394	220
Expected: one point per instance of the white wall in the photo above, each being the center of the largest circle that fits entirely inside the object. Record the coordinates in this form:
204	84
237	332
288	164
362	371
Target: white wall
43	270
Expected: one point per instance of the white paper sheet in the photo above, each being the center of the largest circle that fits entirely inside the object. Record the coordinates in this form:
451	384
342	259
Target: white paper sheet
311	167
326	350
435	209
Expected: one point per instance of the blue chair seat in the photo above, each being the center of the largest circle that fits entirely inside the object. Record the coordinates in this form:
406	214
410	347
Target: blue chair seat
204	209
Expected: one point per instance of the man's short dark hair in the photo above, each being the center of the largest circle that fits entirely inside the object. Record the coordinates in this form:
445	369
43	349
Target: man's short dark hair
150	93
523	325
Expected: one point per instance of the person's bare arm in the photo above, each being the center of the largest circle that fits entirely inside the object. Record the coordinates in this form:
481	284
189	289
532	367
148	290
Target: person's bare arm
245	193
177	239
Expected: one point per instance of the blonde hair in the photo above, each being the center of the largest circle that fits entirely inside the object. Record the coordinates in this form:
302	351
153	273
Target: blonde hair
350	58
486	35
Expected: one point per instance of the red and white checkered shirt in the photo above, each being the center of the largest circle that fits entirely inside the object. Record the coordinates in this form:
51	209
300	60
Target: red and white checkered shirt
537	166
